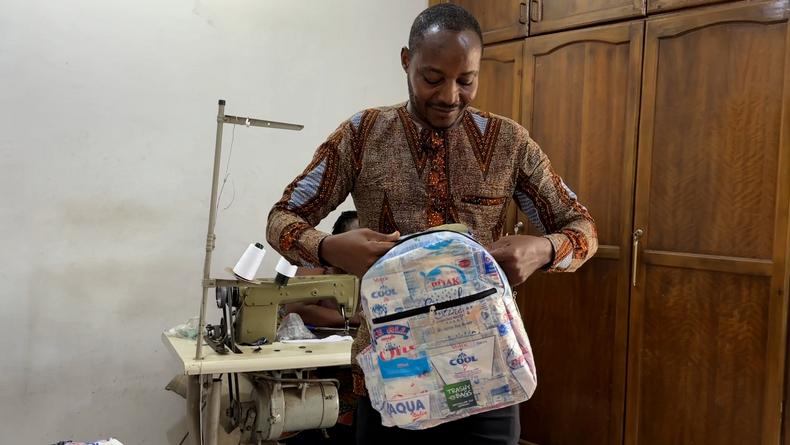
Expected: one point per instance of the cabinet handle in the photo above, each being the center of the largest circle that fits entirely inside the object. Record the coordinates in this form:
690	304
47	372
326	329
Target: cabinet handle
522	13
518	228
536	10
637	234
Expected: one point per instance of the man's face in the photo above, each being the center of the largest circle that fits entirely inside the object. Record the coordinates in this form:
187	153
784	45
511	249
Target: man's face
442	76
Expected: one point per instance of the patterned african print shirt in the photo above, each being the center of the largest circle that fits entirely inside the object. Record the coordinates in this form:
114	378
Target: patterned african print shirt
407	178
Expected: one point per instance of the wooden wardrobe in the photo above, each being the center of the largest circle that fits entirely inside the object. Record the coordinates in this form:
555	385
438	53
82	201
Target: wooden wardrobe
671	121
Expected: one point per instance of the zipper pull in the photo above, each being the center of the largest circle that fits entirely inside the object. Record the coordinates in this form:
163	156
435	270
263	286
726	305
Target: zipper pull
431	314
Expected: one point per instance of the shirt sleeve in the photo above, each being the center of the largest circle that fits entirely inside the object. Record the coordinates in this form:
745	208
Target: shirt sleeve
324	184
554	210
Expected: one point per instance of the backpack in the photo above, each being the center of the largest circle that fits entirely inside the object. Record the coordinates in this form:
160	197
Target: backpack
446	337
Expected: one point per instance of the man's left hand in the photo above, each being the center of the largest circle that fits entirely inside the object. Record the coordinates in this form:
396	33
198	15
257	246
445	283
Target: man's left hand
521	255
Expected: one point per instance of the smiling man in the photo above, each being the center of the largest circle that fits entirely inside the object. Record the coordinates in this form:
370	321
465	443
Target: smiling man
431	161
442	67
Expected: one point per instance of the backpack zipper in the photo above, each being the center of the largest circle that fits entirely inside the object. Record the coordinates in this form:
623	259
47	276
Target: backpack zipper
435	307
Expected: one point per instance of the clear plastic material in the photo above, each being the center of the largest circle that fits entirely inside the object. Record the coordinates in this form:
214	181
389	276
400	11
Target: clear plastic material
187	330
292	328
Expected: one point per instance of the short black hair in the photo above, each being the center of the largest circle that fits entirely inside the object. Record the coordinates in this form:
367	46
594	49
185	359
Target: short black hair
447	16
344	221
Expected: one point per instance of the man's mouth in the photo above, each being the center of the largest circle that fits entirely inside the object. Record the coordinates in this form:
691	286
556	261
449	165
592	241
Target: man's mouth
445	110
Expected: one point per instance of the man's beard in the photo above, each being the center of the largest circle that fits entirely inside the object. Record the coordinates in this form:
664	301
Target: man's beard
416	110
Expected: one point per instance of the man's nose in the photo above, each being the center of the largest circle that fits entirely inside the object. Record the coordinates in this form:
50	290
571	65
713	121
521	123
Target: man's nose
449	94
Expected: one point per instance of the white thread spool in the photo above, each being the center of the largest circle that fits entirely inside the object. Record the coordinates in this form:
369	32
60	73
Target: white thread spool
250	261
285	271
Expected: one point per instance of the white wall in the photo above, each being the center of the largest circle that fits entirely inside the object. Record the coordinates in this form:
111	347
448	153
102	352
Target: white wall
106	142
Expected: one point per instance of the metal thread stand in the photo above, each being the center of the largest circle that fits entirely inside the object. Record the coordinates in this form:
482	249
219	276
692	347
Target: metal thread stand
208	282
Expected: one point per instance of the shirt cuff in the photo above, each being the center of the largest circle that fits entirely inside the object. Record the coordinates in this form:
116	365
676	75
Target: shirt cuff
309	243
563	252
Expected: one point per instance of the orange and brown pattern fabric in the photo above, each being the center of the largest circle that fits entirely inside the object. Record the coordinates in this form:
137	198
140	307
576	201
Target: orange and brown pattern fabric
407	178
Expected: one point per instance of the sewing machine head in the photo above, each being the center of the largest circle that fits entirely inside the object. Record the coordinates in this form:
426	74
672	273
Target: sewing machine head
258	302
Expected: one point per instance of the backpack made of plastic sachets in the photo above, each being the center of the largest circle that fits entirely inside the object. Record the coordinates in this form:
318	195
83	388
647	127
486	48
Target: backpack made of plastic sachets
447	340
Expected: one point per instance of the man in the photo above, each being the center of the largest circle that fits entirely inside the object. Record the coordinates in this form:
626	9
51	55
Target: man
432	161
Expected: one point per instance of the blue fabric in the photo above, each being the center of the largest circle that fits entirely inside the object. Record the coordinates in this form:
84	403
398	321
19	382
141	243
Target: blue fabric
528	207
481	122
307	188
356	120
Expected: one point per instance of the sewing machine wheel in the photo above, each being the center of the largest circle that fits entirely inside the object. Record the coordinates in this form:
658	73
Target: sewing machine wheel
222	296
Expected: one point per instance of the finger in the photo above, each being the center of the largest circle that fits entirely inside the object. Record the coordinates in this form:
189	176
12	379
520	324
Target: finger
379	248
372	235
392	237
386	237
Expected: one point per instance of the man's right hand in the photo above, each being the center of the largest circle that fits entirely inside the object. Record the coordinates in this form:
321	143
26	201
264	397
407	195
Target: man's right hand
356	250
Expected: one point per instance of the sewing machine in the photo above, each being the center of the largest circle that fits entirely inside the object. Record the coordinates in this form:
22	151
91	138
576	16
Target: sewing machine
258	310
269	392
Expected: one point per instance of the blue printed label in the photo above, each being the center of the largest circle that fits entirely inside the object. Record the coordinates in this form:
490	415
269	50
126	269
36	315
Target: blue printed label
404	367
383	291
408	411
462	360
391	330
379	310
438	245
444	276
502	390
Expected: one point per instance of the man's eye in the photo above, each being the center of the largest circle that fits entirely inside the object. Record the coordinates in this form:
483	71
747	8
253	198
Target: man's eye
465	83
432	81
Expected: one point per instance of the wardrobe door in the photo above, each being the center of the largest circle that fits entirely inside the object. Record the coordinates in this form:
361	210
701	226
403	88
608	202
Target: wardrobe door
553	15
581	101
499	89
709	298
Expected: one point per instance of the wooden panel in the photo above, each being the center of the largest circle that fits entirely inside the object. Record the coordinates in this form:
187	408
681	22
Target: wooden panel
655	6
746	266
709	312
568	84
580	106
580	103
571	323
703	357
499	19
499	88
719	120
609	252
551	15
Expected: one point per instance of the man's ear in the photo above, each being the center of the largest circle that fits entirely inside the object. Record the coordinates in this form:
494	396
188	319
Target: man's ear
405	58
